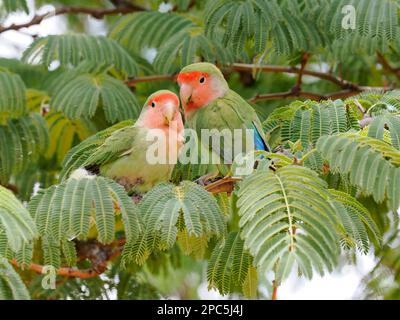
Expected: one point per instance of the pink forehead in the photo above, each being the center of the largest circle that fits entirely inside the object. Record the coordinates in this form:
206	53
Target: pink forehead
190	76
165	97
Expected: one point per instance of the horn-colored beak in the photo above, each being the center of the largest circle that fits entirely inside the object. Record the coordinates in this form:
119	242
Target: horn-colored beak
186	93
169	112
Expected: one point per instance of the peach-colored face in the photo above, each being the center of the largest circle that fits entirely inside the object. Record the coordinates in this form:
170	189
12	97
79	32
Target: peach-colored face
161	111
197	89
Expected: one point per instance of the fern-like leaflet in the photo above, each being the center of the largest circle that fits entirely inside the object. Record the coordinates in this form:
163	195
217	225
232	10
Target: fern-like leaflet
72	49
13	101
16	225
289	216
167	209
11	285
231	267
70	210
372	164
22	142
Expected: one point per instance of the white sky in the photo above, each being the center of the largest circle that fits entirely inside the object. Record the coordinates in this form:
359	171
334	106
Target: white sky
342	284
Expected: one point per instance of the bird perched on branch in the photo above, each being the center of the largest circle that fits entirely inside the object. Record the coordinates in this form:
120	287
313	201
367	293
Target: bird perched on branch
125	155
210	104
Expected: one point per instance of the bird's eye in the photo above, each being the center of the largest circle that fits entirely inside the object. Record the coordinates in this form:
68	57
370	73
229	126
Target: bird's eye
202	80
153	104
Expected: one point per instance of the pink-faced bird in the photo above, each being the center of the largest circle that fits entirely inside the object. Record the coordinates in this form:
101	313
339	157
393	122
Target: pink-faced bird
210	104
123	155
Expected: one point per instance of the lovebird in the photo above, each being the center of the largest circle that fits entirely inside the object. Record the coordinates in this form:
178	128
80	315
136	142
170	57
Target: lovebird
209	104
124	156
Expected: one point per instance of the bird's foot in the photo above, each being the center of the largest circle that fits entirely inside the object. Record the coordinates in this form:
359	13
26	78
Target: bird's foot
207	179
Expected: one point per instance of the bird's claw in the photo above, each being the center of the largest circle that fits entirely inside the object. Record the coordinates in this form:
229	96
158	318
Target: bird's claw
206	179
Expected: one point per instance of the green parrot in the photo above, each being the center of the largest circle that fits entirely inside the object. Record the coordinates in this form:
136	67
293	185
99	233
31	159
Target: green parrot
210	104
120	152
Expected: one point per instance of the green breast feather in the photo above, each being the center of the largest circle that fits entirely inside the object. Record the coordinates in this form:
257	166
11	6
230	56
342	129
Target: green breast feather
230	112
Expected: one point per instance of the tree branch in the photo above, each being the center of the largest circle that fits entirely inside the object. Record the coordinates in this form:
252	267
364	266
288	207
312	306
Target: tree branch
226	184
294	70
386	65
274	290
98	254
64	271
284	95
97	13
11	187
304	61
295	93
134	81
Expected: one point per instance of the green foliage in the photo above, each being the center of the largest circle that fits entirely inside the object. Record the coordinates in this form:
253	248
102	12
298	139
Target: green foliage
75	48
329	188
71	209
15	5
288	27
70	130
182	40
290	216
16	225
22	141
383	281
376	21
358	225
32	76
372	165
12	95
230	267
308	121
84	94
142	29
288	220
377	129
11	285
167	209
377	102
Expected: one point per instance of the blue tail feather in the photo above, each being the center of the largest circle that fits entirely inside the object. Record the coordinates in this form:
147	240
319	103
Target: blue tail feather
258	141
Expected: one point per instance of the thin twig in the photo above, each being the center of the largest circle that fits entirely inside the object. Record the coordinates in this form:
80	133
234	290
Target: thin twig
287	94
64	271
359	106
386	65
304	61
343	94
97	13
133	82
226	184
294	70
274	290
349	88
99	255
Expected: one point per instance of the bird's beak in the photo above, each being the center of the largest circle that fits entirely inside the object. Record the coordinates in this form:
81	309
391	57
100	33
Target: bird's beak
185	93
169	112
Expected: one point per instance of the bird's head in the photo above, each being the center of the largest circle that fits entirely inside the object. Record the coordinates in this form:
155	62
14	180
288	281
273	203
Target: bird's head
160	111
200	84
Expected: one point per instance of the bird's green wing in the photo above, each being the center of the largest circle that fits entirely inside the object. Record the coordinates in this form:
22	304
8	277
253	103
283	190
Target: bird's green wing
79	154
228	113
118	144
251	119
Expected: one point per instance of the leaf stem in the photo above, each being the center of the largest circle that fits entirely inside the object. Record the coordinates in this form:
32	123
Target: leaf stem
274	290
291	247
